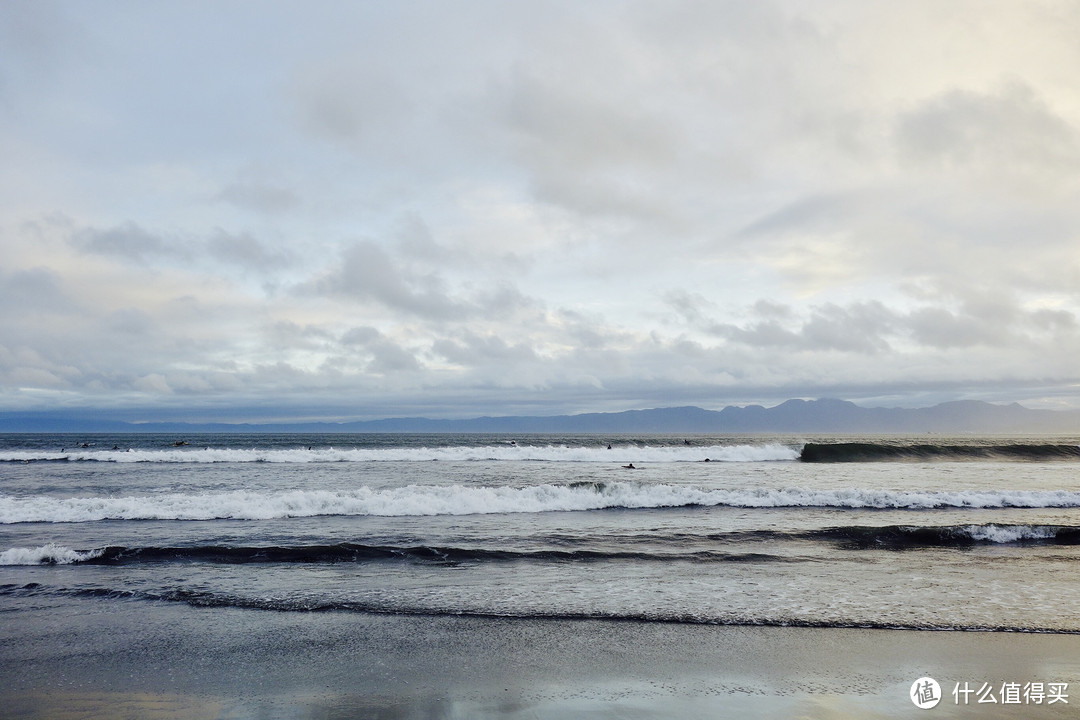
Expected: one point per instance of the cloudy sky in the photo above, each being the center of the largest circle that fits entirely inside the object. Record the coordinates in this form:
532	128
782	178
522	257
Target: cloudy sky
346	210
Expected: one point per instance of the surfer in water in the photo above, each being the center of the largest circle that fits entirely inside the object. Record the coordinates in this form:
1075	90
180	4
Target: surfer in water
629	467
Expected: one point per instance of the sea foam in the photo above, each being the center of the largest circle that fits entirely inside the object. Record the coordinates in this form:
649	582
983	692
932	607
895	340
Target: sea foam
1010	533
47	554
415	500
498	452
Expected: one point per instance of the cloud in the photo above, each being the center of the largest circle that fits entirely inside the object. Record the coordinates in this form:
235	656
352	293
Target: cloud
44	39
367	272
941	328
370	351
26	367
390	358
259	196
860	328
154	384
34	292
130	322
472	350
131	243
363	335
689	307
128	241
492	207
587	152
1008	136
246	251
352	102
873	329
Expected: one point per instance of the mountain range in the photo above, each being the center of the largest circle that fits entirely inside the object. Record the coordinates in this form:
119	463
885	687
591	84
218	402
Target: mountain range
793	416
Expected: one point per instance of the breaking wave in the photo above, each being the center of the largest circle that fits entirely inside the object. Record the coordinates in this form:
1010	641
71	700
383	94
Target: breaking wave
47	555
415	500
869	452
493	452
347	553
200	598
891	537
905	537
600	453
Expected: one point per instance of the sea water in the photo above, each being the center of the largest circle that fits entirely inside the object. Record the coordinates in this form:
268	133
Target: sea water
912	533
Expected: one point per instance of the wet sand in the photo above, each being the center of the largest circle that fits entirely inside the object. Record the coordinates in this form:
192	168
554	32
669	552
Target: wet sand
145	660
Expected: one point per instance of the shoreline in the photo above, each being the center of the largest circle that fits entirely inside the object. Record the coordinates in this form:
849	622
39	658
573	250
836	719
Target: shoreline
125	659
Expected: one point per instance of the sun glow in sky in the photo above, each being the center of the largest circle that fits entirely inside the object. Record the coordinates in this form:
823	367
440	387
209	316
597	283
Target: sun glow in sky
257	210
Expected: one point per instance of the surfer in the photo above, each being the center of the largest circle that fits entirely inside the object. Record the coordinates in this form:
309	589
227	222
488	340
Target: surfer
629	467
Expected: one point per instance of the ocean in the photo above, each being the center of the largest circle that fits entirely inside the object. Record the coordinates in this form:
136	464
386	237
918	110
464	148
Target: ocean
899	533
919	534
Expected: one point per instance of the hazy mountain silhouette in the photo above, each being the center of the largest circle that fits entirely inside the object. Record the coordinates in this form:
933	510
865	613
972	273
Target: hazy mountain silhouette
792	416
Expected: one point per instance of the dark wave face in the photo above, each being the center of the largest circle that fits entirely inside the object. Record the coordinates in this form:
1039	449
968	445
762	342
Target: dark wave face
354	553
872	452
663	550
906	537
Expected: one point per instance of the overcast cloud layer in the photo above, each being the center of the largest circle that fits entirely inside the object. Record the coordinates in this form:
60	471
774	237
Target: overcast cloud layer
242	210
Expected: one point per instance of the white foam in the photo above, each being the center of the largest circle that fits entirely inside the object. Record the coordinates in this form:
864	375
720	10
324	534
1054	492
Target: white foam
1009	533
416	500
508	452
46	554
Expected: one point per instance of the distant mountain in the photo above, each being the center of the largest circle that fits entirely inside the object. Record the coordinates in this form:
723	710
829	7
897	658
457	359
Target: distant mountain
792	416
840	416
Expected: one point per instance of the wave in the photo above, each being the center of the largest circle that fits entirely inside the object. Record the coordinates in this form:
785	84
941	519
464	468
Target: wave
870	452
772	452
307	604
346	553
910	537
415	500
893	537
491	452
47	555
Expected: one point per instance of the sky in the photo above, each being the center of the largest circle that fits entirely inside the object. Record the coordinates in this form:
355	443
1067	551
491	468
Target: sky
247	211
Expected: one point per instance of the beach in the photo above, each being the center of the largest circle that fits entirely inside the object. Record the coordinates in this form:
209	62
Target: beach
139	660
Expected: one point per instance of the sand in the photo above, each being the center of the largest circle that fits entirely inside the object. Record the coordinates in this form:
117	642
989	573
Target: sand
145	660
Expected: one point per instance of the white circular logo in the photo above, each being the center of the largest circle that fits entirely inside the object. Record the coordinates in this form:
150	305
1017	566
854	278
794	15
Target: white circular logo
925	693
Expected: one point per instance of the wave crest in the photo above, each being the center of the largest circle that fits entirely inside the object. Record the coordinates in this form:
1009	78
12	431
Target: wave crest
417	500
465	453
913	537
872	452
47	555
